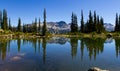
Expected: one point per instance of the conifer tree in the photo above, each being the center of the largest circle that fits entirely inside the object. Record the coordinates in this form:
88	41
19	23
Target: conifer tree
10	27
5	23
19	25
44	28
98	25
32	27
86	27
82	22
90	26
95	22
72	22
119	24
74	25
0	19
35	25
27	28
116	23
24	28
102	25
39	27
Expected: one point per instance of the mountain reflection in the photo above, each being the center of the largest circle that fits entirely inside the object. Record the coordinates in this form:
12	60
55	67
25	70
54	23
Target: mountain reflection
58	40
94	46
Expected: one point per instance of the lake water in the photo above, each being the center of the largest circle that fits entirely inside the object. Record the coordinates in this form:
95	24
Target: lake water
59	54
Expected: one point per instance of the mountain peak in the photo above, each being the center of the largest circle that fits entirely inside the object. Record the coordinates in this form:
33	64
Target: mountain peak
109	27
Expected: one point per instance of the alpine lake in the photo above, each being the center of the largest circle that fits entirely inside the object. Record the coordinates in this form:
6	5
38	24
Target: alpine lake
59	54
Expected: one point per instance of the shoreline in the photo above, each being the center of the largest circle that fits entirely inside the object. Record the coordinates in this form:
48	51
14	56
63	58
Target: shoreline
69	35
4	36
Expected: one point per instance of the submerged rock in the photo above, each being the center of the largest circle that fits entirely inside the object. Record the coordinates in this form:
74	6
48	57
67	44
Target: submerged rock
96	69
15	58
21	54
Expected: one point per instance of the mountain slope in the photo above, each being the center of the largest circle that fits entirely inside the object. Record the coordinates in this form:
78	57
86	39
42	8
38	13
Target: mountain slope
109	27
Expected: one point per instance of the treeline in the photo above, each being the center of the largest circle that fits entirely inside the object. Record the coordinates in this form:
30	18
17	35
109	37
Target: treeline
93	24
117	23
35	27
4	20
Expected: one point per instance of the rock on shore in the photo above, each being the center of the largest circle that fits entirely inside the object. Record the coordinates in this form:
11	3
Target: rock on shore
96	69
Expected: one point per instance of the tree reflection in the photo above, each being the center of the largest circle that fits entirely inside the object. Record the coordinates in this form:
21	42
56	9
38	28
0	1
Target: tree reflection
39	41
82	48
94	46
25	41
3	48
117	44
19	44
9	45
74	45
34	41
44	49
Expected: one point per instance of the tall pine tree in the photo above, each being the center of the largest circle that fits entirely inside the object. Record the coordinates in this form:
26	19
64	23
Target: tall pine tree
119	24
82	22
27	28
95	22
0	19
98	25
10	27
35	25
116	23
90	26
5	23
24	28
39	26
86	30
19	25
44	28
101	25
74	25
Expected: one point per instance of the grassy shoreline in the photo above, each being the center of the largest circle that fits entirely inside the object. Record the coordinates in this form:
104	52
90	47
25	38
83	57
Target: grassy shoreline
31	35
8	34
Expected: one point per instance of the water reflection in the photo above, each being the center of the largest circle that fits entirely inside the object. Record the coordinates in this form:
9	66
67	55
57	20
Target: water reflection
3	48
44	42
74	45
94	46
58	40
19	44
109	40
82	48
117	44
39	41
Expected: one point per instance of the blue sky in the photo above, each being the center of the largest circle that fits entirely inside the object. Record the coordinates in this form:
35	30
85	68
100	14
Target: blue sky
58	10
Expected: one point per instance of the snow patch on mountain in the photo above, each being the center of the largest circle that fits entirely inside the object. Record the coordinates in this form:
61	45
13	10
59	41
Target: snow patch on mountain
109	27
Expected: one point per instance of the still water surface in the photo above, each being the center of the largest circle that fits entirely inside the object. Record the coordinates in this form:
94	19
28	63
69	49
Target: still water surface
59	54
